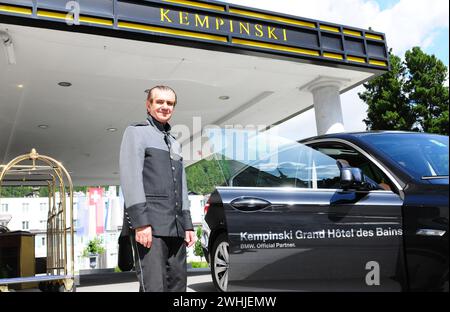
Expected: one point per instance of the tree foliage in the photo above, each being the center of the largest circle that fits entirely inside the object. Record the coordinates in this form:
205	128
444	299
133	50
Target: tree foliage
24	191
412	96
205	175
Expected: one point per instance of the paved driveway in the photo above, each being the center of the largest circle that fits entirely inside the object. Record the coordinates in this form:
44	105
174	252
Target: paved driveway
196	283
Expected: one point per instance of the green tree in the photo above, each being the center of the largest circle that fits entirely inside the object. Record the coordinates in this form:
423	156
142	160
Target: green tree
205	175
427	93
22	191
16	191
411	96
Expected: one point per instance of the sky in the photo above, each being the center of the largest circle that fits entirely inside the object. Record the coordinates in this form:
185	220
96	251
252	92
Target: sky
406	23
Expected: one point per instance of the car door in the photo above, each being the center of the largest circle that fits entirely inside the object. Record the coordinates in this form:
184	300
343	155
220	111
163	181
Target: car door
291	227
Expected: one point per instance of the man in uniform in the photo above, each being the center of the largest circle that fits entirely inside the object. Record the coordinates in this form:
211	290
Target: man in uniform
157	215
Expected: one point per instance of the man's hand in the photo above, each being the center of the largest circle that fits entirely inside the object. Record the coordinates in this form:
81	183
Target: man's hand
144	236
190	238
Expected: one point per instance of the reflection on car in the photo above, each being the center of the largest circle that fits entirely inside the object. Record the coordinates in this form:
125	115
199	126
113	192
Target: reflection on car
343	212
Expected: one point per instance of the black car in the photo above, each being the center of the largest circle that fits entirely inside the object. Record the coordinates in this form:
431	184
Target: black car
343	212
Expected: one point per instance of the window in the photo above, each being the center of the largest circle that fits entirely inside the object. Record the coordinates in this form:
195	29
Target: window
372	173
43	207
25	208
294	166
313	166
4	208
25	225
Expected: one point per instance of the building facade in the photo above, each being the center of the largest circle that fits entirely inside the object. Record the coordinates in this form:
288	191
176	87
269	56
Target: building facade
30	214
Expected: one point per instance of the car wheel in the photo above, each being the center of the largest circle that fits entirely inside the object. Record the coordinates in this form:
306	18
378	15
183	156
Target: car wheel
220	262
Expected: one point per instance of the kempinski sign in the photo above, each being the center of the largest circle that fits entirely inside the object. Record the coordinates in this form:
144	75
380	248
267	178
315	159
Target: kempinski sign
211	25
219	24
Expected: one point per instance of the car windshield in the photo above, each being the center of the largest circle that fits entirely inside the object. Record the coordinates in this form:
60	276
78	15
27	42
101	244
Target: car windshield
422	155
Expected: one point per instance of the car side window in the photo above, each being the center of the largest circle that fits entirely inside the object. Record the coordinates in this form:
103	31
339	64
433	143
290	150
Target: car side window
353	158
296	166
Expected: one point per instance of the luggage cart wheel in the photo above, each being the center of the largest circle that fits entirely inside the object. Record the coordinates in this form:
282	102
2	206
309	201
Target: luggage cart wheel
44	286
68	285
51	286
59	287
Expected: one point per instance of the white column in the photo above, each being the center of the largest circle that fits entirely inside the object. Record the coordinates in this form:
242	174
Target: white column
327	106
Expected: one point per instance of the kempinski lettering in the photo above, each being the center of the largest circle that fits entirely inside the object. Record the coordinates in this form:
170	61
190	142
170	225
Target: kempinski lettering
164	16
203	22
219	23
271	32
245	236
245	27
259	31
184	18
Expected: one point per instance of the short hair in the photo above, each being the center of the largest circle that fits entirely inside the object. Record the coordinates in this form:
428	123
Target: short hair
160	88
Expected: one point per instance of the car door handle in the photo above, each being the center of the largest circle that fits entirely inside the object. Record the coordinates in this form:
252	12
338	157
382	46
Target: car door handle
249	204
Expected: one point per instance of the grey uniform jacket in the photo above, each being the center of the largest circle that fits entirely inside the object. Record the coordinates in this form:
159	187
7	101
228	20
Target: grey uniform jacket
153	180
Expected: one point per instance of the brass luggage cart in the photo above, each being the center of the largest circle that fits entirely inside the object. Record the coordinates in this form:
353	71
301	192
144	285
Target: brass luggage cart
38	170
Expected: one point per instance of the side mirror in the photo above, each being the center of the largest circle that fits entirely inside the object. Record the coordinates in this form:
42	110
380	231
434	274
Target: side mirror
351	178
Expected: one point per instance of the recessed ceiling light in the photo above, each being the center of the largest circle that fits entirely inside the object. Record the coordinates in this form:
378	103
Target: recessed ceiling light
64	84
20	86
43	126
112	129
224	97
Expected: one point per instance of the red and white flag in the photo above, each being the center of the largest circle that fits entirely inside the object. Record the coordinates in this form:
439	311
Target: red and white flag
96	200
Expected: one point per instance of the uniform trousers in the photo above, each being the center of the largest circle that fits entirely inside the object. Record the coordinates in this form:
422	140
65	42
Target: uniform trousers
162	267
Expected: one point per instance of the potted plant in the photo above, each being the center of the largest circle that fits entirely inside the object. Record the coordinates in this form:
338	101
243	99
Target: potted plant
198	250
93	250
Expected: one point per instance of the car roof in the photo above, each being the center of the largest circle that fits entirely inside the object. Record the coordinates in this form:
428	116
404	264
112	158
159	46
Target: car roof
356	135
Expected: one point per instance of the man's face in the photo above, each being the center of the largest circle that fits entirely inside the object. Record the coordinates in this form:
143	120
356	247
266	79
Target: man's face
162	105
